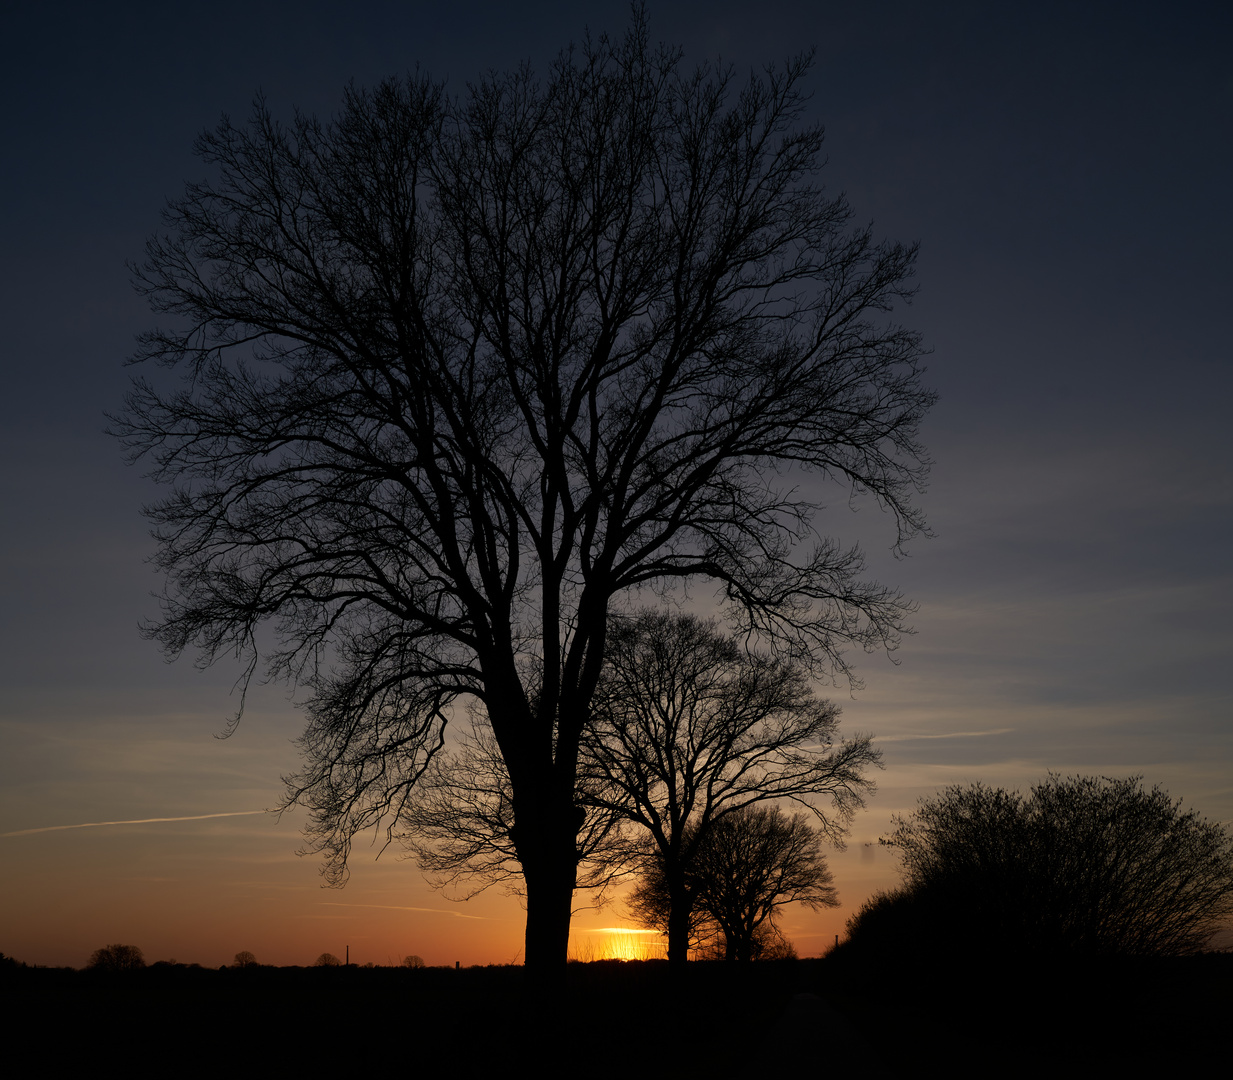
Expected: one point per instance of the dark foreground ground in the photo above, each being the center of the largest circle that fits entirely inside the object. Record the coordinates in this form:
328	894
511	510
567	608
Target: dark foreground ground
795	1018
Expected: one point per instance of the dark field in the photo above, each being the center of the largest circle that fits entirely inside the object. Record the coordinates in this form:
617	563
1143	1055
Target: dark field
806	1018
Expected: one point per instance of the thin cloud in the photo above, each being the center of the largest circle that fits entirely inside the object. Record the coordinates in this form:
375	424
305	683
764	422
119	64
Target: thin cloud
134	821
946	735
621	930
397	907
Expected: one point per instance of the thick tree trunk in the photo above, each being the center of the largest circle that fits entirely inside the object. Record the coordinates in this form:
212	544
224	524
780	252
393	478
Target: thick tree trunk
730	947
680	908
547	848
550	900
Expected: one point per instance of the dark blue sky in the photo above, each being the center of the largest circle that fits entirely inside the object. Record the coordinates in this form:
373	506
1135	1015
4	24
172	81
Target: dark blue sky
1066	169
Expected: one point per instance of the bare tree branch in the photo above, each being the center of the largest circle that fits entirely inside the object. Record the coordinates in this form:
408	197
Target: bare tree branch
457	374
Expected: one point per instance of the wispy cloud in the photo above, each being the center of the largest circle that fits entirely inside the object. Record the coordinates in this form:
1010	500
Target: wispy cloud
621	930
397	907
134	821
946	735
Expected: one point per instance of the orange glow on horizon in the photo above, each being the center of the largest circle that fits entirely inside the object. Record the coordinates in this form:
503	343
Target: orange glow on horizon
617	943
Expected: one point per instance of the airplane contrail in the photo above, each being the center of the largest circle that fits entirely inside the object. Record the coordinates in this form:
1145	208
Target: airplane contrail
135	821
947	735
398	907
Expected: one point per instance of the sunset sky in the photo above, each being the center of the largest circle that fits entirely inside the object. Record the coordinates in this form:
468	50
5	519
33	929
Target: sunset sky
1066	169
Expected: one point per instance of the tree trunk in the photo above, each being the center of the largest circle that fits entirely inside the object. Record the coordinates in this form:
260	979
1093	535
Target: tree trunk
550	901
546	841
680	908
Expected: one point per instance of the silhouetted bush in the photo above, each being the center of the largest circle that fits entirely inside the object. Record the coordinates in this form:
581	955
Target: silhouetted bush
1082	865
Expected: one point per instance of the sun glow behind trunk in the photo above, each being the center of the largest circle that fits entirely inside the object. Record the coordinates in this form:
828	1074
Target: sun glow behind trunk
617	943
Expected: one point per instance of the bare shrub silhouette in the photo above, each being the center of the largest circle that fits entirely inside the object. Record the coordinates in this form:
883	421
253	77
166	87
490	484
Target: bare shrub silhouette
1081	865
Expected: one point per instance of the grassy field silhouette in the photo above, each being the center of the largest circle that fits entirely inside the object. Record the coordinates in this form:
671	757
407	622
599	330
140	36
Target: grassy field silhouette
609	1018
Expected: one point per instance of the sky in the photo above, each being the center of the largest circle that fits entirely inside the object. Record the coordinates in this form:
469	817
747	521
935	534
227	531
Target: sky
1065	169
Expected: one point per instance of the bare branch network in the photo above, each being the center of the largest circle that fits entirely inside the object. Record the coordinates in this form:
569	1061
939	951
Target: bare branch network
687	728
688	734
458	374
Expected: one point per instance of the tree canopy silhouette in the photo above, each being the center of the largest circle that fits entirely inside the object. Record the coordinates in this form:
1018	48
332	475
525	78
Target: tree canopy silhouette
117	958
1079	865
457	374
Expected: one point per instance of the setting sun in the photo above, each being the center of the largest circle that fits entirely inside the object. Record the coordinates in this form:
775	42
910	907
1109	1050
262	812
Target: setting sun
617	943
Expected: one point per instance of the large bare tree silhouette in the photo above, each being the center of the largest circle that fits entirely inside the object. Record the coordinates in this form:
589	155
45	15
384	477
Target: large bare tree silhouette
458	374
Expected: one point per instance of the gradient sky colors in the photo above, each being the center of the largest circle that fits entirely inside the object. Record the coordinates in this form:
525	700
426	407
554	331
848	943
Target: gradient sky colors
1066	169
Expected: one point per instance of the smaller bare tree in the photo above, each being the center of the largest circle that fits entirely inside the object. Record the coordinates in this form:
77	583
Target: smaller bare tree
244	959
649	904
688	729
327	959
751	863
